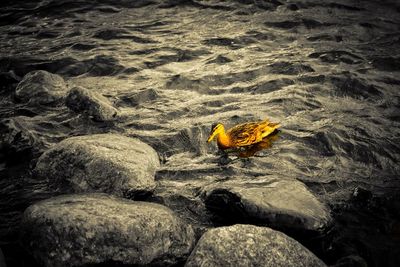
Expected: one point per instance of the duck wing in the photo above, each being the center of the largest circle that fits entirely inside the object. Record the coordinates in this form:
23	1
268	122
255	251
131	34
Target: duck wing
245	134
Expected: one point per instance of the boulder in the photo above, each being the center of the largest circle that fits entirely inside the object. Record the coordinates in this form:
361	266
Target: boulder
90	103
106	163
278	203
248	245
41	87
89	229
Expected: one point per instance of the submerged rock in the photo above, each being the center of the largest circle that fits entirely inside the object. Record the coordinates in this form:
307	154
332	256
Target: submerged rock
108	163
248	245
41	87
279	203
82	100
86	229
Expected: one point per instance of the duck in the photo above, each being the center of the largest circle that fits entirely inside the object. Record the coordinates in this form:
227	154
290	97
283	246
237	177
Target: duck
242	135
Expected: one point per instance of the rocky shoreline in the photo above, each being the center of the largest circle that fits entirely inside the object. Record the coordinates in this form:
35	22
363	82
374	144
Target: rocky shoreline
110	102
100	214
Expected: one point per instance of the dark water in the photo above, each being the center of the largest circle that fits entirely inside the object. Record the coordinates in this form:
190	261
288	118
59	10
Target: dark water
328	71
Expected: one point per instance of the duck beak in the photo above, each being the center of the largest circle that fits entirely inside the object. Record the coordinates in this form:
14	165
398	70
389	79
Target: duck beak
211	137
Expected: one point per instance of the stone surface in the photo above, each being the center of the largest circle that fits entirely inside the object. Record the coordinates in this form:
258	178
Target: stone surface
248	245
93	104
85	229
41	87
279	203
107	163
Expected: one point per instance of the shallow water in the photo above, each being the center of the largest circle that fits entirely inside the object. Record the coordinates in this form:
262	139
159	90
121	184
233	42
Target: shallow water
327	71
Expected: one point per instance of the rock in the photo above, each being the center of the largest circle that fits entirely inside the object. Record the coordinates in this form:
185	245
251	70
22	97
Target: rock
278	203
108	163
248	245
88	229
82	100
41	87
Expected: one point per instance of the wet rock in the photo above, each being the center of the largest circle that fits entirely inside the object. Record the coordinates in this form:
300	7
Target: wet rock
41	87
108	163
248	245
88	229
98	107
279	203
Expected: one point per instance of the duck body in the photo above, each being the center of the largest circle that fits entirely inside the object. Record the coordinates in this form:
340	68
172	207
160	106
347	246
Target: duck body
243	134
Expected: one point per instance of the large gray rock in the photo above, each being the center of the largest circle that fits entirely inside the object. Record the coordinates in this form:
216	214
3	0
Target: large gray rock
279	203
107	163
76	230
248	245
41	87
90	103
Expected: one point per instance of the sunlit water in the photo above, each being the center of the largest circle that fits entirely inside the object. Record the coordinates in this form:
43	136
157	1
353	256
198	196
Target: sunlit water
328	72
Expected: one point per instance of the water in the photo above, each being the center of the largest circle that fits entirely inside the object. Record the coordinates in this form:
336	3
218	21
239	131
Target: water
327	71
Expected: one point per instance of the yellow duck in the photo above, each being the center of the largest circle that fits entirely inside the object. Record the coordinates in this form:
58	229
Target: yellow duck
243	134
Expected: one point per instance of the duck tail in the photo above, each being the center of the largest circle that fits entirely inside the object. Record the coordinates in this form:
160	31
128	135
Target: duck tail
269	128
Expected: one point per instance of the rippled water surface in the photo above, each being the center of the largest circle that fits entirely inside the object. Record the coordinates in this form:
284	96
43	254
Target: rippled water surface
327	71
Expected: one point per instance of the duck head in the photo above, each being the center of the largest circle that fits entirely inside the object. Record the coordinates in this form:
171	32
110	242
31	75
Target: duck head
216	129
